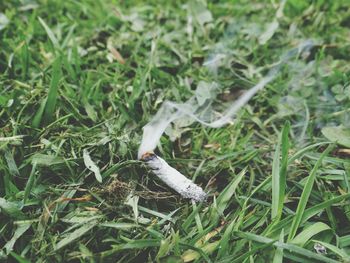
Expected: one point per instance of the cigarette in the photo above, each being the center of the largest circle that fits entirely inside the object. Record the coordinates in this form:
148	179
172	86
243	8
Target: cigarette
173	178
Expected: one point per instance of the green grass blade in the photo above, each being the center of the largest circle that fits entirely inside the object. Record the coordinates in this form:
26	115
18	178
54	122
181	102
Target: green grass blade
295	258
224	242
24	60
197	219
29	184
21	228
279	172
283	169
301	152
234	259
39	114
305	195
344	241
309	232
278	258
224	198
12	166
11	209
187	223
290	247
134	244
50	34
273	229
275	182
53	91
118	225
72	236
19	258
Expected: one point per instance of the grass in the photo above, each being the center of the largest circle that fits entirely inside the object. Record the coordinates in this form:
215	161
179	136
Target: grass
79	80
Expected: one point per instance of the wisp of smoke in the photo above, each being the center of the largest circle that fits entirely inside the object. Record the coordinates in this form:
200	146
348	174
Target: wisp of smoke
204	113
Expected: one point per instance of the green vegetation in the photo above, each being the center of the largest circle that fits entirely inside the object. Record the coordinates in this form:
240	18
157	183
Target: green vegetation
79	80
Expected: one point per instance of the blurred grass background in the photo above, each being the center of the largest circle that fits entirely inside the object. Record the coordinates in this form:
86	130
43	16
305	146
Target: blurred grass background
88	75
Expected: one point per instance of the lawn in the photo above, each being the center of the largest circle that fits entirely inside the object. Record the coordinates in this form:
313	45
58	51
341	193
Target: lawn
80	79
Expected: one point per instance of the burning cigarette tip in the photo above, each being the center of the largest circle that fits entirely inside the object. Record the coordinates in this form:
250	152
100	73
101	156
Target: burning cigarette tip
147	156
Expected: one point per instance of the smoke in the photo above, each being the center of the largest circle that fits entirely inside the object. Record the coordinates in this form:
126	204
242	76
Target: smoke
202	110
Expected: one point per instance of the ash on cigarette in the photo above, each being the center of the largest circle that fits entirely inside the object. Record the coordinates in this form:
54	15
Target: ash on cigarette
173	178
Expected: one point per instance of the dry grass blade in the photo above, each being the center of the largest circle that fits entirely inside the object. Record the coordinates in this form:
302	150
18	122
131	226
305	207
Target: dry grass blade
117	55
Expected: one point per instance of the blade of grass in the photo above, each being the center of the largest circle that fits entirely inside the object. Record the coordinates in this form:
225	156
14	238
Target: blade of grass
305	195
187	223
244	209
11	209
344	241
195	252
278	258
289	247
39	114
19	258
72	236
197	219
29	184
50	34
118	225
53	91
275	182
11	163
224	242
301	152
279	173
310	212
283	169
308	233
24	54
22	226
233	259
295	258
224	198
134	244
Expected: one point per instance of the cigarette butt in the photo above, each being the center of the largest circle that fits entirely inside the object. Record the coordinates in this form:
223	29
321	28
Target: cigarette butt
173	178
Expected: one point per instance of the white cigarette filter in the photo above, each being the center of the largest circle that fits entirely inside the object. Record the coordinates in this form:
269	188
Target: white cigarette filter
173	178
